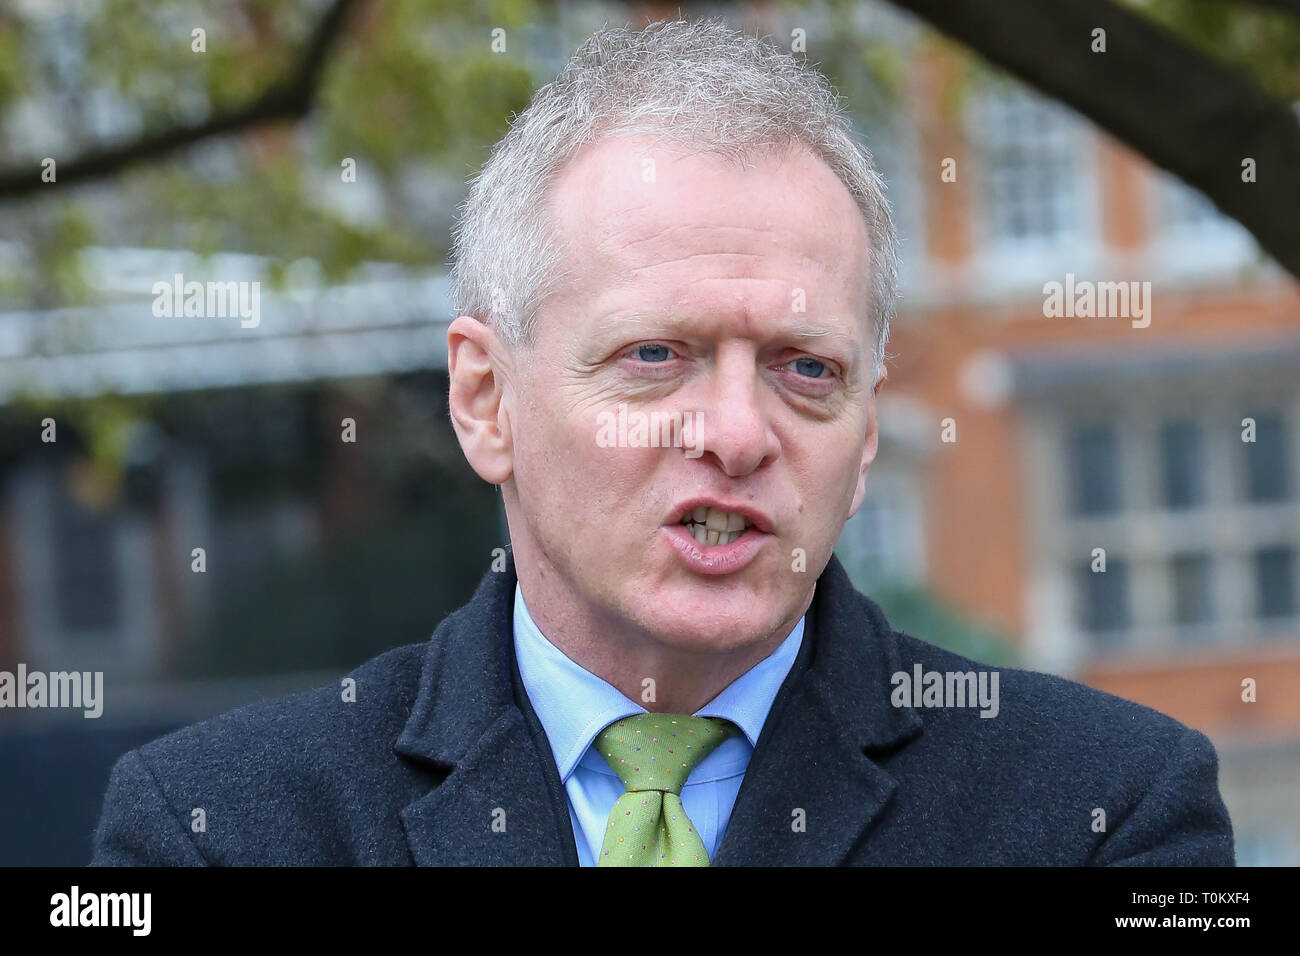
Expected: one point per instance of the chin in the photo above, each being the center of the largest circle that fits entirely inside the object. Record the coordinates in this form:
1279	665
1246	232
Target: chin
722	629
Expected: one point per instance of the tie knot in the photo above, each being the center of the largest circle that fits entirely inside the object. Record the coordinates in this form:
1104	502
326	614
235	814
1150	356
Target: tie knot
659	751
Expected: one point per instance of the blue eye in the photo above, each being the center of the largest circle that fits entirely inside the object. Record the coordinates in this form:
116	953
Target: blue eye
661	352
816	369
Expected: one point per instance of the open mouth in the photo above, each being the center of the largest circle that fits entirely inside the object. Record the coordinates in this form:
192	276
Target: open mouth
712	526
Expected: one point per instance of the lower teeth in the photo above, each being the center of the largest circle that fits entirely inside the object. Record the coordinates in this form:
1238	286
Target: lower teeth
703	535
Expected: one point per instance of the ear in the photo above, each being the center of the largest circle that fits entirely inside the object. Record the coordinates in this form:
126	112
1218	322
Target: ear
477	363
869	448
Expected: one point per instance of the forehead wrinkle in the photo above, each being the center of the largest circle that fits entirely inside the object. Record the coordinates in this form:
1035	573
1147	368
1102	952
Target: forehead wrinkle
790	260
664	232
787	262
687	257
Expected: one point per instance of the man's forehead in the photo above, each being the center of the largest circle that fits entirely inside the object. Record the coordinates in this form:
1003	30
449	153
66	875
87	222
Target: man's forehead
629	190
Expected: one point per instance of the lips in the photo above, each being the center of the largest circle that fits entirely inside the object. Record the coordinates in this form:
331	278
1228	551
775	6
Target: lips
740	533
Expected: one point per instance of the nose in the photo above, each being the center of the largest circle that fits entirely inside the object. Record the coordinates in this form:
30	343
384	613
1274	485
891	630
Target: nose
733	427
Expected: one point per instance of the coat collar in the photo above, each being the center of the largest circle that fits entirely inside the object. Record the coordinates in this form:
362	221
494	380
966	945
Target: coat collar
499	805
812	792
495	807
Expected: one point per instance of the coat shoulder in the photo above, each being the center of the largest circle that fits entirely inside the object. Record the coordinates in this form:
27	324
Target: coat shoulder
288	779
1047	707
1092	777
350	714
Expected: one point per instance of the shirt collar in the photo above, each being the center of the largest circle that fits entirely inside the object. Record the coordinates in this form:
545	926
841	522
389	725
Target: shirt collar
574	705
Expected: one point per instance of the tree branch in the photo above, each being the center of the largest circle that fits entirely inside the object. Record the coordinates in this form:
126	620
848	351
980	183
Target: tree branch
1185	112
290	99
1285	6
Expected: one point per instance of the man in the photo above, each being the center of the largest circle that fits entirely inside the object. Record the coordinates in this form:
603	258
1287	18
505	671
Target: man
676	274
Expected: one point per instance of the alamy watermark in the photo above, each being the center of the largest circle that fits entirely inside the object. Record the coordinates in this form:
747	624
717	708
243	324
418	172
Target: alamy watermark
210	300
1087	299
636	429
75	908
80	689
946	689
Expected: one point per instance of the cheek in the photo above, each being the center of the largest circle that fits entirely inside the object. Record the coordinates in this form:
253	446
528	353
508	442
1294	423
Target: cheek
824	469
570	473
547	434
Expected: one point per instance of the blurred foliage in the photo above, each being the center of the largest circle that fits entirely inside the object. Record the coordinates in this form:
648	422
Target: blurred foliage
914	608
917	611
1261	42
871	74
99	430
413	94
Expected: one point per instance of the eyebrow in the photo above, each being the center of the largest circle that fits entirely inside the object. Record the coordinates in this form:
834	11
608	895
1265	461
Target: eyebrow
671	323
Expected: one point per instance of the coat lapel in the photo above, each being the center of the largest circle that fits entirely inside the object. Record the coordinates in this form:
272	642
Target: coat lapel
494	807
812	792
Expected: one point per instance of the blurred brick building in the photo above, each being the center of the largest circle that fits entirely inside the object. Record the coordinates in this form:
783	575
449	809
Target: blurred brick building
1067	434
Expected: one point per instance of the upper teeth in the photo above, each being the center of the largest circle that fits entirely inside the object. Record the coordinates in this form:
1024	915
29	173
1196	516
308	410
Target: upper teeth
712	526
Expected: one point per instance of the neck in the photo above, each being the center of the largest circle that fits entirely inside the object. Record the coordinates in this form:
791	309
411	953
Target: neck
661	677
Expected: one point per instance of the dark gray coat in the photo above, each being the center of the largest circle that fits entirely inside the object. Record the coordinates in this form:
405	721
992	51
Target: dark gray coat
441	742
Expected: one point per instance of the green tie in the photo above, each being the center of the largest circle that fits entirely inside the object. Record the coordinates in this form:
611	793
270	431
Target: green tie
653	754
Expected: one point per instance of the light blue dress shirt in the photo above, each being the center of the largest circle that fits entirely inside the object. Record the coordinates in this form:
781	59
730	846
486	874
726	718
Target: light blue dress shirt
574	705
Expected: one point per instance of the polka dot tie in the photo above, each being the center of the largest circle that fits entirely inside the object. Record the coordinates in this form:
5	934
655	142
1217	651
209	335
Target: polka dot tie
653	754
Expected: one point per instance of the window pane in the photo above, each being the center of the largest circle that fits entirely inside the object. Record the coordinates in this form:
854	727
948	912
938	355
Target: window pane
1031	165
1103	601
1182	465
870	542
1193	596
1275	582
1266	478
1094	467
85	567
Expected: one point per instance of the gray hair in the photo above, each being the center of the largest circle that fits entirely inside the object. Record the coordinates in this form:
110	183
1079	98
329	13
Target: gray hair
702	84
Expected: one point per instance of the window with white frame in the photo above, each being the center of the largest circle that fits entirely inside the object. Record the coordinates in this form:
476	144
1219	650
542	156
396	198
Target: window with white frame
1029	151
1193	592
1200	529
1103	609
1274	569
87	584
1094	468
1182	479
883	543
1265	459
